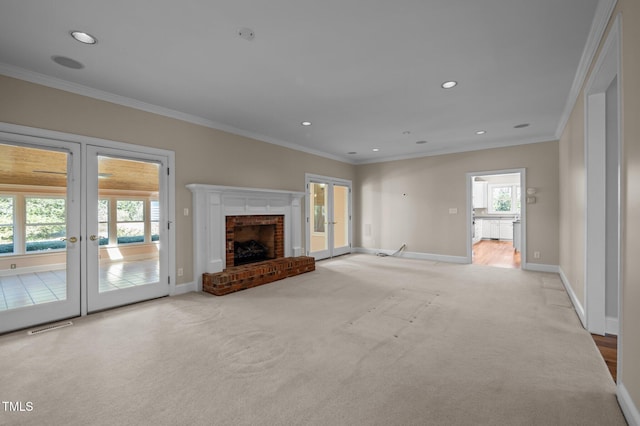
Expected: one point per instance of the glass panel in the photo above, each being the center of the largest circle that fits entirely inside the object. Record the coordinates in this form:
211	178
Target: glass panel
46	223
33	224
318	200
6	224
128	265
340	216
103	221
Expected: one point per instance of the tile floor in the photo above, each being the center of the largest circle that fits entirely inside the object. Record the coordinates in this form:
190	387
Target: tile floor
21	290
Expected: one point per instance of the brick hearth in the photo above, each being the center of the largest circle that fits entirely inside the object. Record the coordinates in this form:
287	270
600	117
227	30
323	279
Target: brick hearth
252	275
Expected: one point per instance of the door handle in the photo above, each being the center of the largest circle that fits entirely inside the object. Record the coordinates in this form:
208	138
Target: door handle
95	237
70	239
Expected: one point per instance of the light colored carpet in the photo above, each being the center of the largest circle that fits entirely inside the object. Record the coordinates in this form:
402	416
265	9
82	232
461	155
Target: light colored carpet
363	340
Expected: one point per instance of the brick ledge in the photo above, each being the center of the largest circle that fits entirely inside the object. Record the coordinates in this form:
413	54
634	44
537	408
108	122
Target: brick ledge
238	278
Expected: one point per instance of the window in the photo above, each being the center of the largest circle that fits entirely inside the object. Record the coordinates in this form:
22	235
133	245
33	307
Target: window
6	224
155	220
130	221
103	221
504	198
46	223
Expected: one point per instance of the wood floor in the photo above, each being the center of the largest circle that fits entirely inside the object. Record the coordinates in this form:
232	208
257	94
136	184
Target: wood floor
496	253
608	347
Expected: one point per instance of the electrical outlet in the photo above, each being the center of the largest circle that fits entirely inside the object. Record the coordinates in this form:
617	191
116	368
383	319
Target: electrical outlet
14	266
536	255
180	272
453	210
186	211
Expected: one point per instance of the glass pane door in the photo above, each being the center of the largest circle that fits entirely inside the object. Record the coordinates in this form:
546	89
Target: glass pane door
341	219
39	234
329	218
125	217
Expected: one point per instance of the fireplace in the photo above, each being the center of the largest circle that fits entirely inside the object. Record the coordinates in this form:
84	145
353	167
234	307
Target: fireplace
253	238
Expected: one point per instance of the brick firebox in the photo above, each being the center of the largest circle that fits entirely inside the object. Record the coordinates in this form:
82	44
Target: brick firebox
235	222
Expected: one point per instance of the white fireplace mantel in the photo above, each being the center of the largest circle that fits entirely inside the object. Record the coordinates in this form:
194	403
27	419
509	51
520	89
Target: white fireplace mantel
213	203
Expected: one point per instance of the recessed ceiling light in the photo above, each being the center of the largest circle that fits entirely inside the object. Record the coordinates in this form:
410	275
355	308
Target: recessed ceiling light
376	149
406	132
67	62
421	142
351	152
481	132
306	123
83	37
449	84
521	126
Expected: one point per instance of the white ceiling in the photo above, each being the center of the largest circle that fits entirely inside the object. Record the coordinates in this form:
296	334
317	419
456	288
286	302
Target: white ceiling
364	72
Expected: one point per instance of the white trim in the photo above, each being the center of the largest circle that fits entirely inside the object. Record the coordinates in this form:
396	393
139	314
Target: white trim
629	409
540	267
414	255
33	269
574	298
601	18
475	146
56	83
612	325
185	288
605	70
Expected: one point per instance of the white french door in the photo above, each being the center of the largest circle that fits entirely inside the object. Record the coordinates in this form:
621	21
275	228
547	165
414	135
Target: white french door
328	212
127	227
82	227
40	243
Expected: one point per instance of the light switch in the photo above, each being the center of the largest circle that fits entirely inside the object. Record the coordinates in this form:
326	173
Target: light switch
186	211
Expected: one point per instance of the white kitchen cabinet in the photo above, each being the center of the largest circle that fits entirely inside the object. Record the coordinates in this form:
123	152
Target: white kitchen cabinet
477	236
479	194
506	229
516	235
494	229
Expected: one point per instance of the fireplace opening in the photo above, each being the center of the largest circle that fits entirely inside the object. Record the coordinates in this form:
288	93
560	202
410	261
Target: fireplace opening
253	243
254	238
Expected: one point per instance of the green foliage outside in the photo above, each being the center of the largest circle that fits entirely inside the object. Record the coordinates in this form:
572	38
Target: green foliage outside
502	199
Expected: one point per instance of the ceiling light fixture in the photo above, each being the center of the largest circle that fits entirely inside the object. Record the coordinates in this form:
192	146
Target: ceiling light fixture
481	132
83	37
376	149
351	152
521	126
421	142
449	84
306	123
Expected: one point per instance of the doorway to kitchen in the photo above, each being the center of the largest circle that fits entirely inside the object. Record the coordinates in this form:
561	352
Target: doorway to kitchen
496	218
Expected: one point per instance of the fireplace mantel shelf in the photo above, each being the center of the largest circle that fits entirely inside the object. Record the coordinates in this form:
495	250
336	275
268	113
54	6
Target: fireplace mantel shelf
213	203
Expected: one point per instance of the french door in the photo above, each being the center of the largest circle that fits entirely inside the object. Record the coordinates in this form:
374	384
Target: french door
40	244
127	256
82	228
328	217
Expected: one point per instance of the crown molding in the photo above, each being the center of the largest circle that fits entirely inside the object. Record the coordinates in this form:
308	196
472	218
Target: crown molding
67	86
604	10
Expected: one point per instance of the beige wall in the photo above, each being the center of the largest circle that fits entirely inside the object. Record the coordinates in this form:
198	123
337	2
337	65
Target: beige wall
408	201
203	155
572	241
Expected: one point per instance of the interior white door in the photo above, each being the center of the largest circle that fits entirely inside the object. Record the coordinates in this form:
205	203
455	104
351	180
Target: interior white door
328	218
127	227
40	243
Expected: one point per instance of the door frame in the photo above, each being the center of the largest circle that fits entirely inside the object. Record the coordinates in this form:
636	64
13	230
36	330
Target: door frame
14	132
605	71
523	210
312	178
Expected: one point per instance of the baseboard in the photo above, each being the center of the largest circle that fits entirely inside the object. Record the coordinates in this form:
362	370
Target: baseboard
574	299
184	288
539	267
414	255
629	408
612	325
